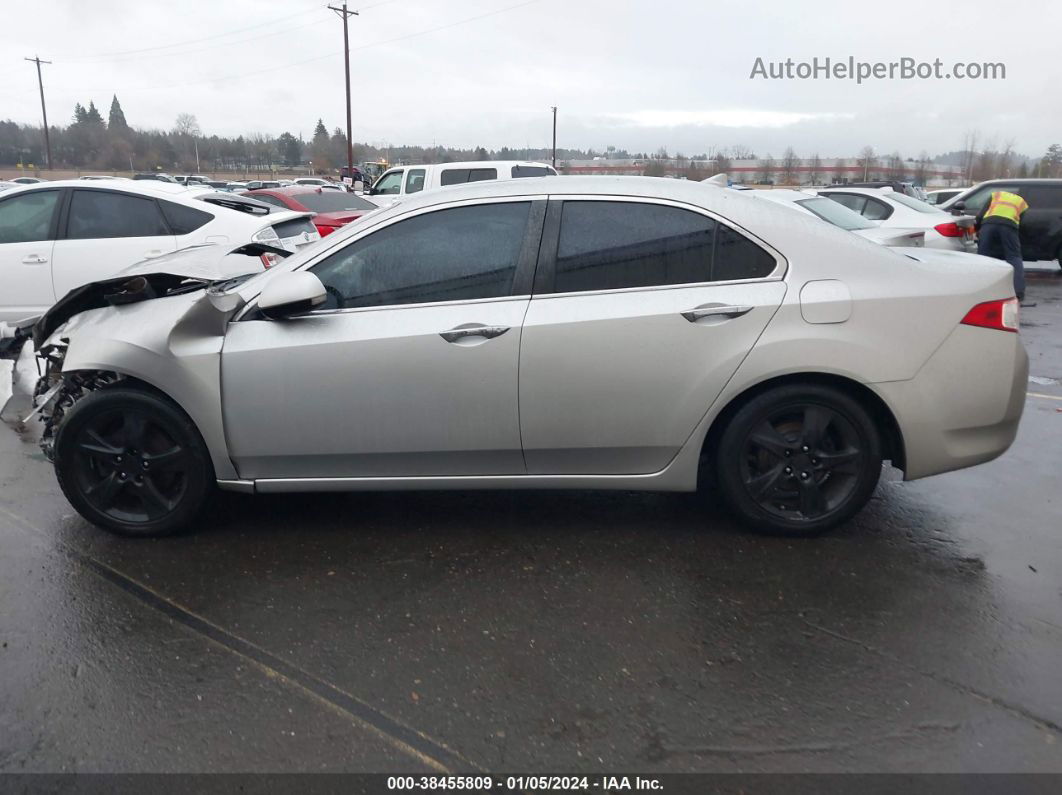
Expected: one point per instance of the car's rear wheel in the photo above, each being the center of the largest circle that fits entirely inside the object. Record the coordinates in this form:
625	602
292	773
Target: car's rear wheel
798	459
132	462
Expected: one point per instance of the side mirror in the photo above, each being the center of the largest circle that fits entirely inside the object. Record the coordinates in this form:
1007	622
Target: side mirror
290	294
959	205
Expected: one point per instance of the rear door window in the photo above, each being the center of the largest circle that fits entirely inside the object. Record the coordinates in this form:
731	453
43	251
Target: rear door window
1042	197
606	245
28	217
106	214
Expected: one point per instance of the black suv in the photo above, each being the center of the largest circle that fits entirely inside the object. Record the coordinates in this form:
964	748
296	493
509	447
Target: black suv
1041	225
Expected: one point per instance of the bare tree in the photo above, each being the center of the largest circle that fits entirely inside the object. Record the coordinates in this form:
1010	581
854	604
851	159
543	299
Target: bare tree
897	168
789	166
767	169
921	174
186	124
868	161
815	169
741	152
722	163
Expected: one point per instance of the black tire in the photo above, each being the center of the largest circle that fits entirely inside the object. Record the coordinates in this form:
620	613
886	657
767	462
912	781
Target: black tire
798	460
132	462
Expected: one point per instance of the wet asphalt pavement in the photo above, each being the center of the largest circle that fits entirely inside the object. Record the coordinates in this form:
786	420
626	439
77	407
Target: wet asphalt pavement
564	632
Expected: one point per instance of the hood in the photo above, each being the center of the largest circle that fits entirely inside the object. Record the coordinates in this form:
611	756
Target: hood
187	270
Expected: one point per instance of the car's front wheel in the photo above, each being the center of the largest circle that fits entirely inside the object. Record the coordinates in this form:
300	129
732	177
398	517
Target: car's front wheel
798	459
131	461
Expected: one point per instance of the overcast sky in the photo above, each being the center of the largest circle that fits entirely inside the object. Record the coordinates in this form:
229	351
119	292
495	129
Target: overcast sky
636	74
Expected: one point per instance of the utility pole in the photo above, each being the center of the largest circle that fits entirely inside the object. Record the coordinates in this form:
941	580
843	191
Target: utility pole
44	112
554	136
346	66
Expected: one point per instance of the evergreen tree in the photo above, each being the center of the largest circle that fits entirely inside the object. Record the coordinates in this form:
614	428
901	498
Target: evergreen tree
92	115
116	119
79	113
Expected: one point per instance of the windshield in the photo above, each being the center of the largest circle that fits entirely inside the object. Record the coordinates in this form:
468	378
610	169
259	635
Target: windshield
333	201
837	214
913	203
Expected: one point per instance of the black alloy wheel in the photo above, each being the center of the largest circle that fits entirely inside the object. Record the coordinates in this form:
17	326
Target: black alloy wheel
799	459
132	462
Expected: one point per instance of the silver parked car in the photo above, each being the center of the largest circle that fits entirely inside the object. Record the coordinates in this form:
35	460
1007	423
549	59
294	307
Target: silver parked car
585	332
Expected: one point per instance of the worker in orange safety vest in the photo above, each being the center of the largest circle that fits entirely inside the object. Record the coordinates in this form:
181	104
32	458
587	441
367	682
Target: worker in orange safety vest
998	233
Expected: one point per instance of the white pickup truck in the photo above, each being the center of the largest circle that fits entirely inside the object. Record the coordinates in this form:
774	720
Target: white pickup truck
402	180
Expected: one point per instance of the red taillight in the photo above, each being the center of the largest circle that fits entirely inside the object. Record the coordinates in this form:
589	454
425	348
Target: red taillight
1001	315
950	229
324	230
269	260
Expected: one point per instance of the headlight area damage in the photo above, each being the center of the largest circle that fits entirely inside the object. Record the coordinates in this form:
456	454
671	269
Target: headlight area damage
101	334
55	391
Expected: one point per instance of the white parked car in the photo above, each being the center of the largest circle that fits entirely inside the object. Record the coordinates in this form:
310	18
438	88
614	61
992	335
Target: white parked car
837	214
59	235
403	180
892	209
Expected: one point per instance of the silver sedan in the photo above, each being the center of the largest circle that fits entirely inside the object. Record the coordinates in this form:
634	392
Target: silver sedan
598	332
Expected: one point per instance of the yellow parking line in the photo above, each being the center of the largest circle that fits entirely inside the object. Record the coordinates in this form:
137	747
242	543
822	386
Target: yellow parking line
1041	395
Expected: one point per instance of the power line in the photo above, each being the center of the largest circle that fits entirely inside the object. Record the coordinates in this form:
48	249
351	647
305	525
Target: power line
182	53
198	40
384	42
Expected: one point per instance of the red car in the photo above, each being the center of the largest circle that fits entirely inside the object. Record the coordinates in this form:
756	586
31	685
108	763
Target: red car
334	208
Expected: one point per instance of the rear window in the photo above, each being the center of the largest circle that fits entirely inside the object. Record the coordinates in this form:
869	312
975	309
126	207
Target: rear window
296	226
532	171
914	204
184	220
835	213
333	201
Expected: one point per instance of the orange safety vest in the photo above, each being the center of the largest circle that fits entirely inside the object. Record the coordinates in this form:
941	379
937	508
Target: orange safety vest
1006	205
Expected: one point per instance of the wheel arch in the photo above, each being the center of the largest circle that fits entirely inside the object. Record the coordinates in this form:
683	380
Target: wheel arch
893	448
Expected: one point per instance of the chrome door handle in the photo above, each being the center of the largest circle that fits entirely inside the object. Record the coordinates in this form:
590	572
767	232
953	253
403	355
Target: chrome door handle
34	259
701	312
487	332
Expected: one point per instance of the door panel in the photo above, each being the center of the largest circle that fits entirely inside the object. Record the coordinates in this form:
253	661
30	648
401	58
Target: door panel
27	229
376	393
104	232
615	383
78	262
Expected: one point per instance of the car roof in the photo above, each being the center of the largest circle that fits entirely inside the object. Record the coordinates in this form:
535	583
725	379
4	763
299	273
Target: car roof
476	164
735	205
146	186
